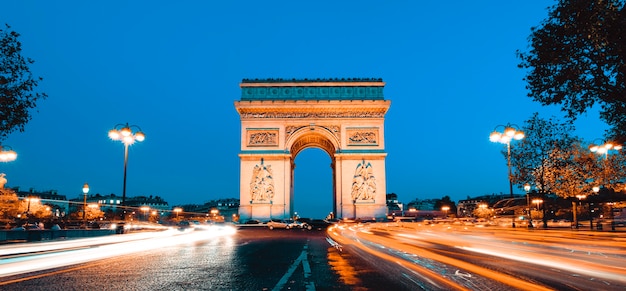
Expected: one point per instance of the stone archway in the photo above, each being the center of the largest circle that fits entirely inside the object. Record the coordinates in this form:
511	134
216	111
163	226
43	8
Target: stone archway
344	118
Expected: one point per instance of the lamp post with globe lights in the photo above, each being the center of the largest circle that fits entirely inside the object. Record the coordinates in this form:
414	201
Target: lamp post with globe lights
85	191
603	148
530	218
445	210
595	189
125	134
7	154
537	201
177	210
509	133
580	197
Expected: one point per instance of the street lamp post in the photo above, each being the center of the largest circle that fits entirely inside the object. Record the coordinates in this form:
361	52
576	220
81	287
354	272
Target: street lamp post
8	155
125	134
612	216
85	191
30	198
445	210
580	197
145	210
537	201
603	149
510	132
595	189
530	218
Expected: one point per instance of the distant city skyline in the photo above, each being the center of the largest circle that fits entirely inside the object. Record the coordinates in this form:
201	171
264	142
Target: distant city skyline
174	70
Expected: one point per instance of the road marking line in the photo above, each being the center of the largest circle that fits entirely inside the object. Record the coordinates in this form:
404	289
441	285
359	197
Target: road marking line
310	285
307	271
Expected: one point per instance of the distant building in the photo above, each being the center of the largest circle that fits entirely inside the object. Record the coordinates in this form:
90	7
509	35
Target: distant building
394	208
155	203
466	207
108	203
226	209
422	208
59	206
425	204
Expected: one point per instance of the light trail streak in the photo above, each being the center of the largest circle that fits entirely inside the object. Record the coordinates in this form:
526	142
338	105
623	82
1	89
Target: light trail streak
564	258
484	272
427	275
86	250
592	256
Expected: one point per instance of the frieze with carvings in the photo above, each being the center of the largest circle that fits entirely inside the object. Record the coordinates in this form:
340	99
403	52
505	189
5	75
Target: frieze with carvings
334	129
330	114
362	136
262	137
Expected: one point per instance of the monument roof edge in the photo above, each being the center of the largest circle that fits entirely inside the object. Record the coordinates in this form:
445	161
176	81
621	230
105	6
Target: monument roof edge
349	82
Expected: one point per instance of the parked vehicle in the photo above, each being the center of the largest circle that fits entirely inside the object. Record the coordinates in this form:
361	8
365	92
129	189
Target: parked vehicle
316	224
277	224
253	221
295	224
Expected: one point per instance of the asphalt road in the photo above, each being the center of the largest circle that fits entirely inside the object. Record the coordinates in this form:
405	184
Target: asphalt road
251	259
381	256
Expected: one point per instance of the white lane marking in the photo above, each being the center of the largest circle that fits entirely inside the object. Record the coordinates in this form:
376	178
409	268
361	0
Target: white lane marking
310	286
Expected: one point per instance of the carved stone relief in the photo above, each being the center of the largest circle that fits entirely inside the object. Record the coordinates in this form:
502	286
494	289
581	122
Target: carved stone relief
330	114
263	137
363	183
362	136
262	184
334	129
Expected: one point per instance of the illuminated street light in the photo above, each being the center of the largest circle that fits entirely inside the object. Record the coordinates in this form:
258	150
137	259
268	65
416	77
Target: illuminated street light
595	189
603	149
177	210
85	191
580	197
530	218
509	133
145	210
537	201
125	134
7	155
31	199
445	210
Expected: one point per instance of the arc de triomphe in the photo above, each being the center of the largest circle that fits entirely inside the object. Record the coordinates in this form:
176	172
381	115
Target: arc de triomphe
280	118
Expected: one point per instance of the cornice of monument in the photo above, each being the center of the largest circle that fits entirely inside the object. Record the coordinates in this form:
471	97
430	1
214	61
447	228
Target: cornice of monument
312	89
334	109
319	82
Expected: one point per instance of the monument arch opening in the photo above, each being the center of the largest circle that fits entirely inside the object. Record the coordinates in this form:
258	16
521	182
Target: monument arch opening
343	118
313	184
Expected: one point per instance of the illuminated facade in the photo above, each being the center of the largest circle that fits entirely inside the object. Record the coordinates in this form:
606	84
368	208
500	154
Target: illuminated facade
344	118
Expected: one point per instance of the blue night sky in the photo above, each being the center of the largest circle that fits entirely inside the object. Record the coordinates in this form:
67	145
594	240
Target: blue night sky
174	67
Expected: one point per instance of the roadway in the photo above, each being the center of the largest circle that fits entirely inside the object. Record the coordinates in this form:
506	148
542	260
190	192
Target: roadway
252	258
460	257
377	256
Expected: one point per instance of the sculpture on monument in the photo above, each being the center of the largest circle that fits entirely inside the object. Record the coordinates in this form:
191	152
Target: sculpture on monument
3	180
363	183
262	184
